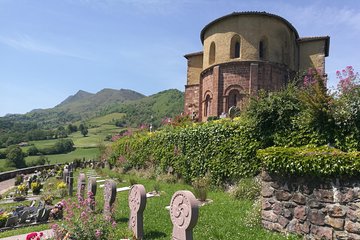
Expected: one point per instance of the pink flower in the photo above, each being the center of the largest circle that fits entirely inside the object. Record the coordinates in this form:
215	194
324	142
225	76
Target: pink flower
97	233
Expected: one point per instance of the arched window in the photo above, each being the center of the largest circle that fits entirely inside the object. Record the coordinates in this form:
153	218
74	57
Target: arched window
207	105
212	53
263	48
234	98
235	45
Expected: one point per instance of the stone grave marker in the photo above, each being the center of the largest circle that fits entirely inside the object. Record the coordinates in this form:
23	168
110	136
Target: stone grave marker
184	213
91	191
65	175
70	184
81	186
109	197
137	203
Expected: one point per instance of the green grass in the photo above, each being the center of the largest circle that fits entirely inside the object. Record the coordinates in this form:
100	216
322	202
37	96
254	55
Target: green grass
87	153
224	218
109	118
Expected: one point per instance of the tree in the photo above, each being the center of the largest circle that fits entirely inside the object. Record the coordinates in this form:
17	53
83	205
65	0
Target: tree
83	129
71	128
15	157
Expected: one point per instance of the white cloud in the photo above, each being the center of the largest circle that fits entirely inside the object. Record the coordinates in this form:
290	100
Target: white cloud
25	42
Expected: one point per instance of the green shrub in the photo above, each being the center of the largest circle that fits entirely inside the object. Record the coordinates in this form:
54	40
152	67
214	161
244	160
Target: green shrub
247	189
201	187
224	148
18	179
321	161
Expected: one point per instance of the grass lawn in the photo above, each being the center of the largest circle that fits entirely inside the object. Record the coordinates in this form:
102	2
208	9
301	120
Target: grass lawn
224	218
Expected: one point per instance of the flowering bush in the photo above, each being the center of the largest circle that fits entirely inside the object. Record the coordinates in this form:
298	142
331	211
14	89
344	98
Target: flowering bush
4	217
57	211
36	236
36	187
61	185
81	223
22	189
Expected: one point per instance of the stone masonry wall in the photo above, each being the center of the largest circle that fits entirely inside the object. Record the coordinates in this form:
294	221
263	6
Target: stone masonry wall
313	207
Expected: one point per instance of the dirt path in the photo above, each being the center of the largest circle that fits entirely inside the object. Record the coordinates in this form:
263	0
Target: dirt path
7	185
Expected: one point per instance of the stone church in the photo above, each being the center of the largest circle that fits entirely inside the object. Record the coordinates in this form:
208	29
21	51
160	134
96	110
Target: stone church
244	52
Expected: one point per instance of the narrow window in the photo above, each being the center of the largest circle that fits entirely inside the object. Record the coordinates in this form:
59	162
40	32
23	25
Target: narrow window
212	53
261	50
207	106
237	50
235	46
234	98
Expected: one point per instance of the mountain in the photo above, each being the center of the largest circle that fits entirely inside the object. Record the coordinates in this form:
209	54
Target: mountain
130	108
77	97
83	106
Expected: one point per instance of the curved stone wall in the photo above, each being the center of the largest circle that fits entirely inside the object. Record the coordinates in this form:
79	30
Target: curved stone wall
313	207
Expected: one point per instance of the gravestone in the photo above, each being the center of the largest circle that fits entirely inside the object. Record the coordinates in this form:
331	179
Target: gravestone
91	191
70	184
81	186
137	203
65	175
109	197
184	213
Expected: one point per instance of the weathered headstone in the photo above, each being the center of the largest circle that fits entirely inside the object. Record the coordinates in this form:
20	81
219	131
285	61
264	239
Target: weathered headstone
70	183
184	213
65	175
81	186
137	203
109	197
91	191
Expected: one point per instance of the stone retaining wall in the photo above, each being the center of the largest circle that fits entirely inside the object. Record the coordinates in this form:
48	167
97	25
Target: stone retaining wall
313	207
11	174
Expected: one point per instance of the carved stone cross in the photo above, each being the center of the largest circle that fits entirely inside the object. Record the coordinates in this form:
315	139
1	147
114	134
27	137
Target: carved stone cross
81	186
109	197
137	204
184	211
91	191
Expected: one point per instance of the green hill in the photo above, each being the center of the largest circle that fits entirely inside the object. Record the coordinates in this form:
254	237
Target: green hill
127	108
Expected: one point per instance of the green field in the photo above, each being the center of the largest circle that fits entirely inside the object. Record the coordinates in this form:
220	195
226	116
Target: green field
107	119
80	153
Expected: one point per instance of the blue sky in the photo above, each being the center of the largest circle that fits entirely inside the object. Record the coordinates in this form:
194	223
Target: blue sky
50	49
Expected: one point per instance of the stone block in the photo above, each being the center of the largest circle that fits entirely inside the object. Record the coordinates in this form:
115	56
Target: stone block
299	198
352	236
305	227
282	195
265	204
336	210
317	217
266	177
323	195
294	226
322	232
269	216
337	223
348	196
341	235
266	190
313	203
353	215
287	213
267	225
283	222
301	212
277	208
352	227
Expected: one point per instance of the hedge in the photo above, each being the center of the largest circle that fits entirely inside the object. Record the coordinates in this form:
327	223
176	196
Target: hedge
224	149
320	161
